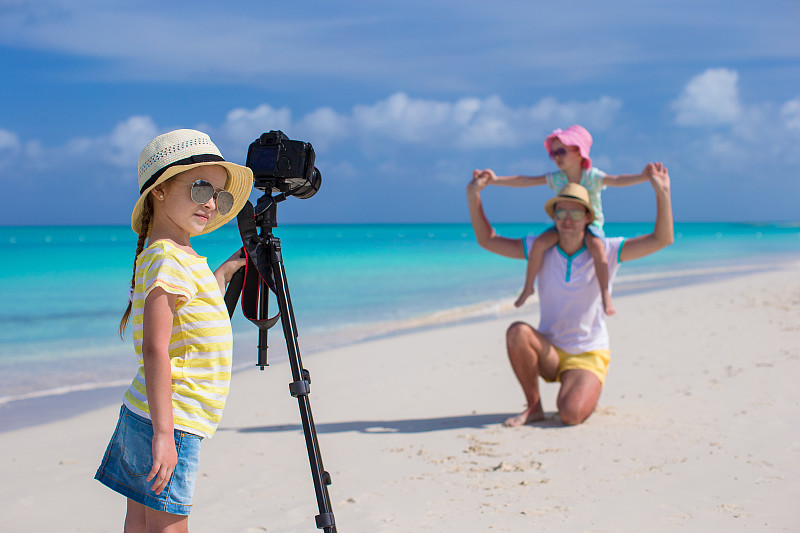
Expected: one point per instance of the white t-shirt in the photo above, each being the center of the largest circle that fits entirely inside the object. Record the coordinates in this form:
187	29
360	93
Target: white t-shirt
571	308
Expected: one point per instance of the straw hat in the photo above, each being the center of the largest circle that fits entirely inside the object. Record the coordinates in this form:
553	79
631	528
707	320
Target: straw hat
575	135
572	192
181	150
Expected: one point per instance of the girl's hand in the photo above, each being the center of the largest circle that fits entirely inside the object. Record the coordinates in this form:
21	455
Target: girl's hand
486	174
227	269
234	263
480	179
165	457
490	176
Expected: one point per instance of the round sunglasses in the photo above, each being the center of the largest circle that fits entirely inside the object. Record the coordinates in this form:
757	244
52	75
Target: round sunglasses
558	152
203	191
574	214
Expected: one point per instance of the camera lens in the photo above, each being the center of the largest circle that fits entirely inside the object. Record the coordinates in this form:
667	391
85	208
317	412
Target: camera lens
310	187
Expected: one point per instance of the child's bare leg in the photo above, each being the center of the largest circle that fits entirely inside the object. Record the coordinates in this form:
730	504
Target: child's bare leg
598	251
135	521
141	519
530	276
166	522
543	242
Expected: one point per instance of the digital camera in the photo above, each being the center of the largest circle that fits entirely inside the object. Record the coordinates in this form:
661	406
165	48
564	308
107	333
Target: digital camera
281	165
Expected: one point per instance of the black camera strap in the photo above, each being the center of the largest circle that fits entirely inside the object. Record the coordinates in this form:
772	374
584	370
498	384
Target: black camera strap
248	279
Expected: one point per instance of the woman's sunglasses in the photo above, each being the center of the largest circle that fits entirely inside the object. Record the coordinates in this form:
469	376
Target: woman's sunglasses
574	214
203	191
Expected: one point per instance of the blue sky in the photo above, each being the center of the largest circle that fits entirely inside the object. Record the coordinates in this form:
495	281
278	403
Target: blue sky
402	100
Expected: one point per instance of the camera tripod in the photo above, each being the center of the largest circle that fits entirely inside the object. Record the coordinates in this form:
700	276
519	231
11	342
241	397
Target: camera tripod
263	273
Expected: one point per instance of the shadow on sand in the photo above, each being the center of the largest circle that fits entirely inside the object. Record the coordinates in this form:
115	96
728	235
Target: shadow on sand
419	425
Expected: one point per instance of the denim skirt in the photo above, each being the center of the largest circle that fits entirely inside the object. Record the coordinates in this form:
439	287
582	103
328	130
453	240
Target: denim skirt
129	458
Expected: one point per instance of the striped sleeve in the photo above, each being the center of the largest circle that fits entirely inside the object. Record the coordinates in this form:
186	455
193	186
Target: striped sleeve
555	180
593	179
160	268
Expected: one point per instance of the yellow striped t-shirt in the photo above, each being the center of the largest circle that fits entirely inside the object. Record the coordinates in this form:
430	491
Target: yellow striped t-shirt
201	346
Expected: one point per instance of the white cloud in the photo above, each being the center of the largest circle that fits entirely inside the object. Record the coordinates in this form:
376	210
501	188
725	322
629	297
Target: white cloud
790	113
242	126
740	139
324	126
16	156
449	130
472	122
120	148
747	134
401	118
127	140
9	141
10	148
36	156
345	171
464	124
710	98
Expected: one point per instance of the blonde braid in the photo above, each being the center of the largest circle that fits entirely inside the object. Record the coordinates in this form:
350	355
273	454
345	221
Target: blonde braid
147	213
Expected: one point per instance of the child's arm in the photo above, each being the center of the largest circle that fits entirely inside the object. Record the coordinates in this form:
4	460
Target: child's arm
626	180
513	181
157	330
227	269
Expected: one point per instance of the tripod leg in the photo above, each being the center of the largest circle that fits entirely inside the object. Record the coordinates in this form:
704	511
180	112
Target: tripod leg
263	343
300	388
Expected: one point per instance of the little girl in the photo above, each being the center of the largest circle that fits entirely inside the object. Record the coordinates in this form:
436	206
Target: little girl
569	149
181	329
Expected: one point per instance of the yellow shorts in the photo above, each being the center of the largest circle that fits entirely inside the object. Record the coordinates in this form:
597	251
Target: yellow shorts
595	362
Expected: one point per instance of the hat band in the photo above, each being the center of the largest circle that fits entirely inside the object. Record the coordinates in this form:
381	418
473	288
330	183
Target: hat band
570	197
202	158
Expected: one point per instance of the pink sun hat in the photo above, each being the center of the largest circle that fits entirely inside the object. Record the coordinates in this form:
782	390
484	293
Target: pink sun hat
575	135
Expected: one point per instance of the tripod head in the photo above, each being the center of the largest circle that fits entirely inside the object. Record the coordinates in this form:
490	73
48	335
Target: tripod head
266	211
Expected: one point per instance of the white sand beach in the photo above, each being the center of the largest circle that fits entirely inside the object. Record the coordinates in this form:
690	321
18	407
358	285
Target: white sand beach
697	430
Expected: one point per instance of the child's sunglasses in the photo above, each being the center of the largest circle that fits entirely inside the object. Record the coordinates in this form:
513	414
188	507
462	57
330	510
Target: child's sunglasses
203	191
574	214
558	152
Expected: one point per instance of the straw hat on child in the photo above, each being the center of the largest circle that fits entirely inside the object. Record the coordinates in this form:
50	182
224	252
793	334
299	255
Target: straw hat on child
181	150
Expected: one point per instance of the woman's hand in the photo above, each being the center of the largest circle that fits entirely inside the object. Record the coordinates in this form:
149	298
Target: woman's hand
658	175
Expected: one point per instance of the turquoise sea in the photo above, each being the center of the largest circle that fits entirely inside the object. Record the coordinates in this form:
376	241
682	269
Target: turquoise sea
63	289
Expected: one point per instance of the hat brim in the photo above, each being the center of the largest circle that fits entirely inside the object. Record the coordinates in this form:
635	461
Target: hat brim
239	184
568	138
550	205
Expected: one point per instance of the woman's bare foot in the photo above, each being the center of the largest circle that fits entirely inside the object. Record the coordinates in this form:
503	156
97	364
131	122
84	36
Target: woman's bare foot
531	414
